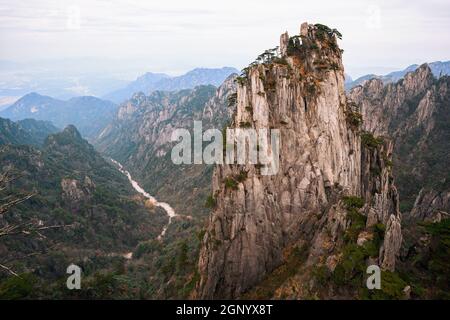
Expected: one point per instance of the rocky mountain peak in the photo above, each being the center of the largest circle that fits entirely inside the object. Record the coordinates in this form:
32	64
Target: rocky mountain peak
418	80
297	88
72	131
68	139
382	105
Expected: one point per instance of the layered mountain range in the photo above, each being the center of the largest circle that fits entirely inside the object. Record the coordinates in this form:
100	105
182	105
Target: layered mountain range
415	112
88	114
438	68
362	181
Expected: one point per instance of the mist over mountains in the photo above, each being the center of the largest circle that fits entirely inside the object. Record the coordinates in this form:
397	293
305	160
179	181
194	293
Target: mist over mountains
89	114
158	81
59	79
63	83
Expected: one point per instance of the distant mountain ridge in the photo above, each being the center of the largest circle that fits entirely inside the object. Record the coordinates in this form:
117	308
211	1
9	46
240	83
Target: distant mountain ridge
25	132
89	114
159	81
438	68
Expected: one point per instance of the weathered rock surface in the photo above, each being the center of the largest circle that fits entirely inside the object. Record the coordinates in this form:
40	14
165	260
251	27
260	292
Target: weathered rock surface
75	192
301	93
383	106
415	113
431	206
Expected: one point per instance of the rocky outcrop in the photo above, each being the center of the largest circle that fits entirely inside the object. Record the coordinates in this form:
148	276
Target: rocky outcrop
382	107
71	191
377	188
414	112
301	93
75	192
382	199
220	108
431	206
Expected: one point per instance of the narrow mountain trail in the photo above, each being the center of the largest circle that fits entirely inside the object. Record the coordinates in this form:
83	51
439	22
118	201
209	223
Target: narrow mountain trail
169	210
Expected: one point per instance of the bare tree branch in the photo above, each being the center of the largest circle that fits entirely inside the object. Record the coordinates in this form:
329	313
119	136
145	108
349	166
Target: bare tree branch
28	228
31	227
5	207
6	178
9	270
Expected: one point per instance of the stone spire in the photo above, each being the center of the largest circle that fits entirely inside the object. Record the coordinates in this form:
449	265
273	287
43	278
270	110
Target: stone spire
304	29
256	218
284	40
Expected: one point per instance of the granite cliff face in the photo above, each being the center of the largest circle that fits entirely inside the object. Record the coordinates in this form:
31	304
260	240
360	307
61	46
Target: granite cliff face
324	166
430	205
383	107
414	112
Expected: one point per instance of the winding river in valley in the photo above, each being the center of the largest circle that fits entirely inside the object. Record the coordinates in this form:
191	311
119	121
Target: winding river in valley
169	210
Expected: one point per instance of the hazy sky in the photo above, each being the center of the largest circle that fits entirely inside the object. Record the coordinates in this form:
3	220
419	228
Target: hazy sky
173	36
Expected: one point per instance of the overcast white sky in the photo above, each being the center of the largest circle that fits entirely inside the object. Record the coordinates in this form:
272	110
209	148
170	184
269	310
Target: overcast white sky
174	36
